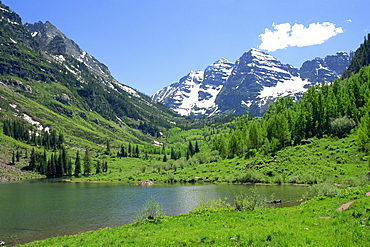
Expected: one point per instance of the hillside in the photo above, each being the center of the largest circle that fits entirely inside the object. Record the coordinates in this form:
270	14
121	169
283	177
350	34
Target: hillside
58	75
53	85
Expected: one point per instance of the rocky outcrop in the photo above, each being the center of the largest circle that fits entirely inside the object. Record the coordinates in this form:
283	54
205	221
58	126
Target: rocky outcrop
328	69
145	183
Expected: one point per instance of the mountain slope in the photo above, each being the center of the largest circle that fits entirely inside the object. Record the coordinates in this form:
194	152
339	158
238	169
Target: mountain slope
249	85
195	93
49	78
324	70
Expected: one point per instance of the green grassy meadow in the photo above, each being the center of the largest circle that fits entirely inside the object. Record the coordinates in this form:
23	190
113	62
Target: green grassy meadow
329	158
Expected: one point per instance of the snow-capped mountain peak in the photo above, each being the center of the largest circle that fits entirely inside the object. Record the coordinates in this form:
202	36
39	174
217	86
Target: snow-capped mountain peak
195	93
248	86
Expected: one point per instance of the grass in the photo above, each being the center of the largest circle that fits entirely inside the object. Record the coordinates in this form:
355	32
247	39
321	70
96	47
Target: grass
337	159
315	223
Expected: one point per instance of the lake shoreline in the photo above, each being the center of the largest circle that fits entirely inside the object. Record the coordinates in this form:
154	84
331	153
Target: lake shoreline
58	207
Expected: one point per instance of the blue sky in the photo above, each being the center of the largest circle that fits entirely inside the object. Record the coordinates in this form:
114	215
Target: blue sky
149	44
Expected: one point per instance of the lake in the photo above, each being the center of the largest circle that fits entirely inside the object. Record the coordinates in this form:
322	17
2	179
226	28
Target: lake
37	209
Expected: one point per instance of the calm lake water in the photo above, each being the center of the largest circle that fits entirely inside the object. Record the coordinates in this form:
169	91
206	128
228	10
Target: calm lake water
37	209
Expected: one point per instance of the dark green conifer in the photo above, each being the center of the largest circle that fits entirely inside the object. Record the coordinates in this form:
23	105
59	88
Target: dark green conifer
77	164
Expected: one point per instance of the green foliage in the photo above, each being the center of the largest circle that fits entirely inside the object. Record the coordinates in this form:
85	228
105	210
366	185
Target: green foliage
323	110
249	201
78	169
324	189
87	163
342	126
361	58
151	210
211	206
363	131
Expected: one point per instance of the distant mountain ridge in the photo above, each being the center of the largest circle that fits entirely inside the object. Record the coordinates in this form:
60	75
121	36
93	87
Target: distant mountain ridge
248	85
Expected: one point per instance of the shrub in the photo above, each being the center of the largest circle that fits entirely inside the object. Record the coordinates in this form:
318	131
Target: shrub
214	156
324	189
249	201
342	126
349	192
151	210
211	206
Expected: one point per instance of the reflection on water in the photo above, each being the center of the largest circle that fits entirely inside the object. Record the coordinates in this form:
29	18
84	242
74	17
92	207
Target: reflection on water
39	209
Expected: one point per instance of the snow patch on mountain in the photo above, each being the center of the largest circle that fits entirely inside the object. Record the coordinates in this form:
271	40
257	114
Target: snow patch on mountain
248	86
195	93
295	86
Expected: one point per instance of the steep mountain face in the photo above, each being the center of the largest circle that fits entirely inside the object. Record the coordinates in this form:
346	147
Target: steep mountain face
324	70
65	50
253	74
195	93
248	86
48	78
12	28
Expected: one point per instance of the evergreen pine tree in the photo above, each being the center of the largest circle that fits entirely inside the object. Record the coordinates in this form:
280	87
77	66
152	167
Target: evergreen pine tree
190	149
173	155
107	151
78	164
137	152
17	155
13	158
64	159
196	149
58	165
69	167
105	166
98	167
129	151
87	163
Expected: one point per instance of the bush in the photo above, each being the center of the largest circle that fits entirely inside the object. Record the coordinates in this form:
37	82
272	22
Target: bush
342	126
151	210
352	192
324	189
214	156
249	201
211	206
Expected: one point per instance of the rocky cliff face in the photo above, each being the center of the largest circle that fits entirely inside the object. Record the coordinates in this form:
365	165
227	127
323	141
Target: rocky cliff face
11	24
55	42
195	93
248	86
67	52
253	72
328	69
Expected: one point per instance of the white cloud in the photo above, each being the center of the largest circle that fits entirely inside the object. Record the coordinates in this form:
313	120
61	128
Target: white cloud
285	35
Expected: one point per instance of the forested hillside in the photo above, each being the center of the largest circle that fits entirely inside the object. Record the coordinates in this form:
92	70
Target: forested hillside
324	110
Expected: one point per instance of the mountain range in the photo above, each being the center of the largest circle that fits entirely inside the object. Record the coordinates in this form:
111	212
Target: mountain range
248	85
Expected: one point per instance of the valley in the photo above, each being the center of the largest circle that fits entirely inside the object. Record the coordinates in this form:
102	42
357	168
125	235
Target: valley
252	123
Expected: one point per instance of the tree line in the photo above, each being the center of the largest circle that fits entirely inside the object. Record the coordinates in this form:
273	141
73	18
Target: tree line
60	164
27	133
